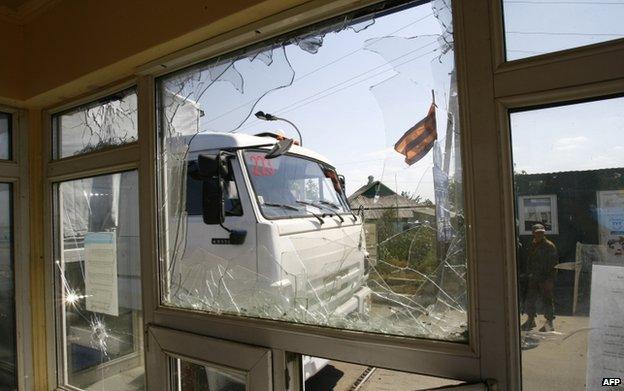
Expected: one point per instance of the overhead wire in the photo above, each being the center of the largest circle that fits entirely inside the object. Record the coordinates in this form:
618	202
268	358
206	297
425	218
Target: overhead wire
359	49
290	108
328	64
298	104
366	72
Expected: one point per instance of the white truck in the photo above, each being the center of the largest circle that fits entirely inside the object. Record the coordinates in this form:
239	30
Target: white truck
269	233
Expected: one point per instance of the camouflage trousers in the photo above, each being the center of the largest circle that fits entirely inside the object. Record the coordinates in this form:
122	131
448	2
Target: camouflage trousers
544	290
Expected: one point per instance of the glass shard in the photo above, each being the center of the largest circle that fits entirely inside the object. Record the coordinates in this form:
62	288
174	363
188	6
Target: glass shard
340	232
104	124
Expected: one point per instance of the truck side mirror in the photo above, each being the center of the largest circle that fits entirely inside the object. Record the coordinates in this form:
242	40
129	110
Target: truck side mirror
211	170
213	202
280	148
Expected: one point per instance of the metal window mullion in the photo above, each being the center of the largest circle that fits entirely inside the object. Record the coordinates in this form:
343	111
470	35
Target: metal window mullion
596	65
21	256
490	260
17	175
577	66
154	366
98	163
429	357
9	170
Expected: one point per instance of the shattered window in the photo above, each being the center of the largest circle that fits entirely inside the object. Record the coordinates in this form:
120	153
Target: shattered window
106	123
343	142
569	186
534	27
5	136
99	310
8	352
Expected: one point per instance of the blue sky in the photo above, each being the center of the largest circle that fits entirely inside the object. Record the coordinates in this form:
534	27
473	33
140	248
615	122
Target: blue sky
582	136
352	105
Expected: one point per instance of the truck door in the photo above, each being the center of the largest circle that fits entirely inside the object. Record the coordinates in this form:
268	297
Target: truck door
209	261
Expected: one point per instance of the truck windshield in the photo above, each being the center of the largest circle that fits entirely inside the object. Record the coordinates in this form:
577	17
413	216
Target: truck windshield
291	186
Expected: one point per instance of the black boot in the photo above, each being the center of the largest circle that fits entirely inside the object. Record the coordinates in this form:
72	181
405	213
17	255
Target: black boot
528	325
548	326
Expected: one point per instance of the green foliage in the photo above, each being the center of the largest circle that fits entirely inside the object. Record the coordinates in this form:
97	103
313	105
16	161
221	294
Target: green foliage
405	252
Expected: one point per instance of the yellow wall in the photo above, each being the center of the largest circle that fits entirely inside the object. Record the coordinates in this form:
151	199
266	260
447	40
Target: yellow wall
11	63
75	46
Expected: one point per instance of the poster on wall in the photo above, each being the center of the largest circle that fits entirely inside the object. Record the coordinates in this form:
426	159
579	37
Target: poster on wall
538	209
101	273
605	345
611	223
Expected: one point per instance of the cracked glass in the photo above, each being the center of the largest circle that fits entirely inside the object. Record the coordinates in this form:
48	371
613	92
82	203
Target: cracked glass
107	123
98	286
343	142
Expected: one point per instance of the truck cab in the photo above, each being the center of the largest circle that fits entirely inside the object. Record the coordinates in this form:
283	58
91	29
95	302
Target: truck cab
269	236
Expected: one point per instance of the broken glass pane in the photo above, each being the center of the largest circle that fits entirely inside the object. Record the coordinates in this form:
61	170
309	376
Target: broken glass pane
360	228
107	123
98	283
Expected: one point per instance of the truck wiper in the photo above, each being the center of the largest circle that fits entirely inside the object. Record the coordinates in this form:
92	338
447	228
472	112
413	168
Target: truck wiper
321	206
291	207
335	206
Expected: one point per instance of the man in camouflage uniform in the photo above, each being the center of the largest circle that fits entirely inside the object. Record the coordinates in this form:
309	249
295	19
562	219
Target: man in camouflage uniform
540	263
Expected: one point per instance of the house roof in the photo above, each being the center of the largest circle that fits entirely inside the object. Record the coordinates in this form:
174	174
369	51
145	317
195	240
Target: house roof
371	189
377	198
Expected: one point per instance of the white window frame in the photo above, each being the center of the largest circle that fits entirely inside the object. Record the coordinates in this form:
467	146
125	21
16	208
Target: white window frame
165	344
484	357
108	161
15	172
567	76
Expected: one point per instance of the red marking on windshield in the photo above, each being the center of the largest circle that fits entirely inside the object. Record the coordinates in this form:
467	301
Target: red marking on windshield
261	166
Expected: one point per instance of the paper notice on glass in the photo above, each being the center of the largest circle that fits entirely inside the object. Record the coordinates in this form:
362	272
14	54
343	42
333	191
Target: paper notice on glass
101	272
605	347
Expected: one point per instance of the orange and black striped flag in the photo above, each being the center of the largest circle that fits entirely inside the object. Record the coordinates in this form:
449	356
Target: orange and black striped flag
419	139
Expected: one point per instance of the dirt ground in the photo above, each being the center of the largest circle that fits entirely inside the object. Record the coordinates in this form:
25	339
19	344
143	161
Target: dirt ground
559	361
340	376
550	361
